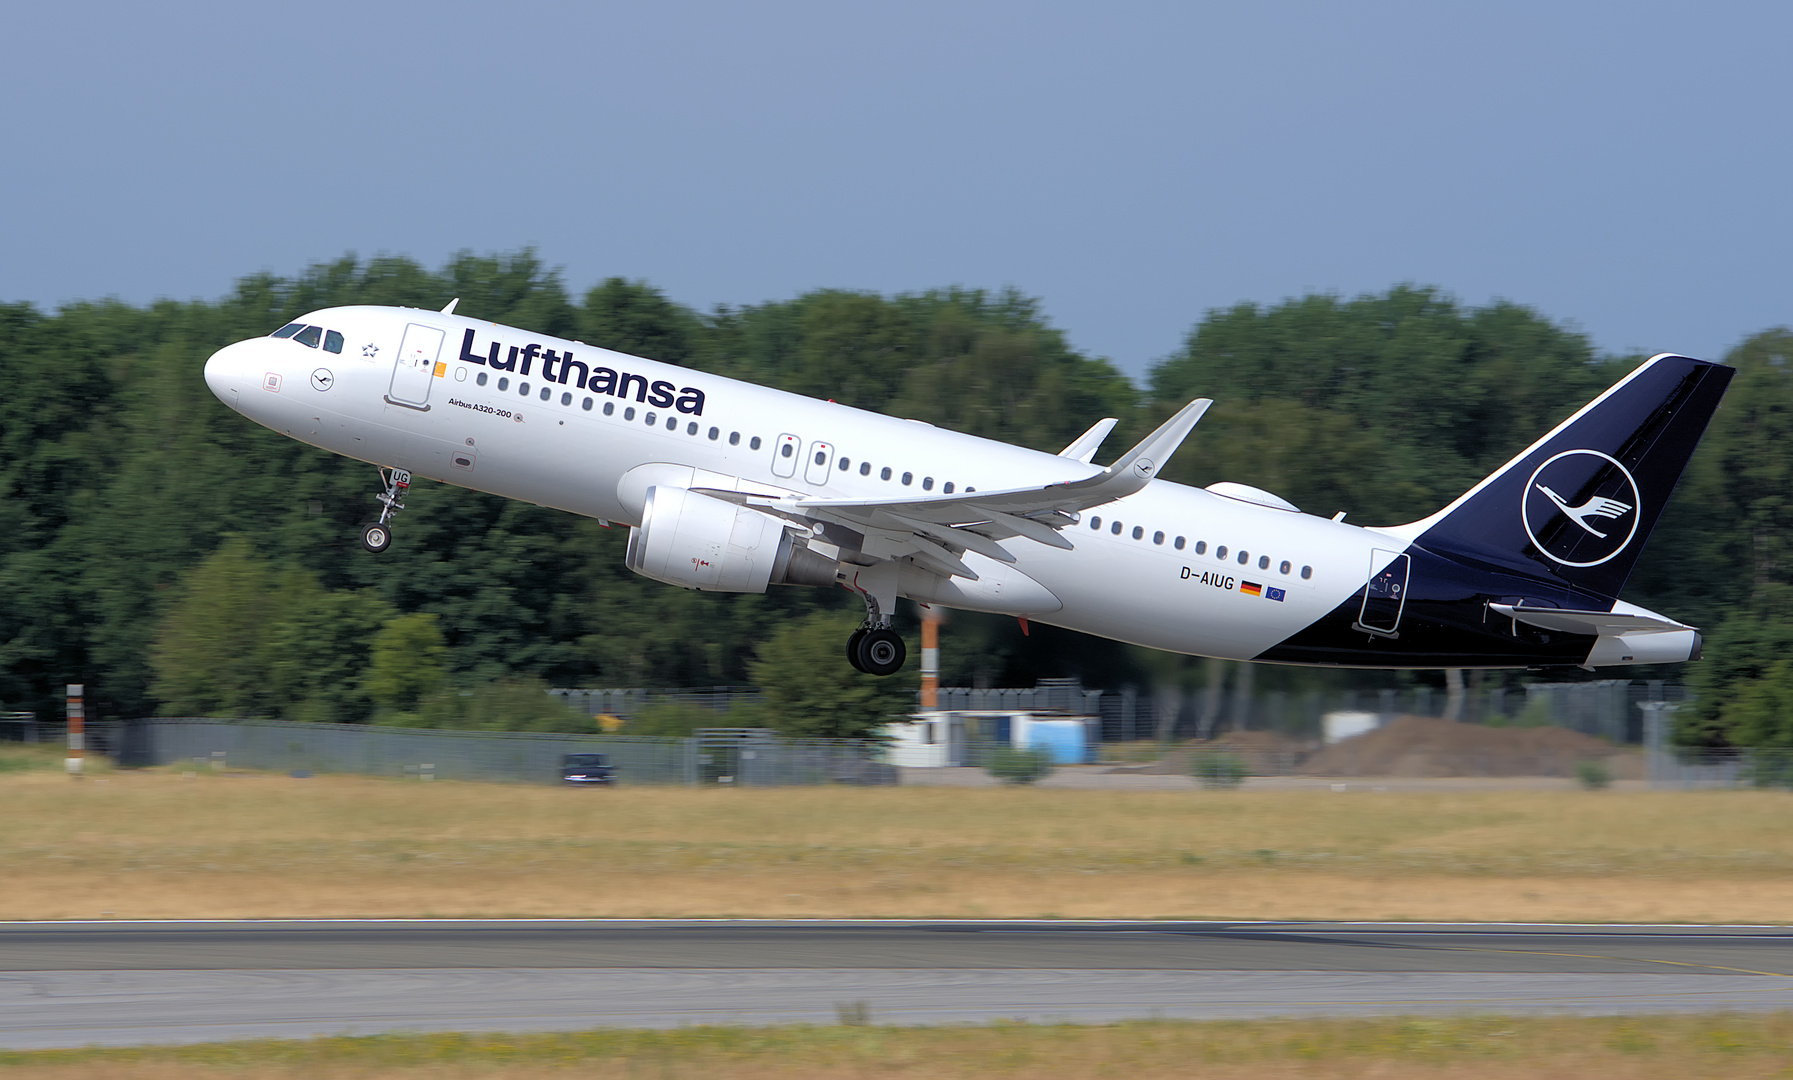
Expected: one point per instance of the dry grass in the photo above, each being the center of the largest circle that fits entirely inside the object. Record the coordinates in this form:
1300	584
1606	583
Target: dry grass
1734	1046
157	845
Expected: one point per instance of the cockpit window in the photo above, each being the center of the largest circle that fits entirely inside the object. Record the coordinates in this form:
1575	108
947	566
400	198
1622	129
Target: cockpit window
288	330
332	341
309	336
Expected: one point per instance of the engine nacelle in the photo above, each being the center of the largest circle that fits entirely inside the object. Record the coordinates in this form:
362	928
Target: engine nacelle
697	542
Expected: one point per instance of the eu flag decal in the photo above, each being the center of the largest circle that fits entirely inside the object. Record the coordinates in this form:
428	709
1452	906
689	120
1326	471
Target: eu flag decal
1273	593
1251	588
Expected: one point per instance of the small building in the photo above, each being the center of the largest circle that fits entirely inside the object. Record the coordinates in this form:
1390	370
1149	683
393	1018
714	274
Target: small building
946	739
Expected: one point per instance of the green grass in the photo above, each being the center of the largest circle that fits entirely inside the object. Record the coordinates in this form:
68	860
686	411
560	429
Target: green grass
1734	1045
23	757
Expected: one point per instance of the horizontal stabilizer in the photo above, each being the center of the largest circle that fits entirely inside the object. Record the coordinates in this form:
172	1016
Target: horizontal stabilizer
1085	446
1598	623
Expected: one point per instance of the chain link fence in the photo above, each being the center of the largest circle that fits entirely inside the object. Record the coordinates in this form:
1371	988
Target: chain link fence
757	759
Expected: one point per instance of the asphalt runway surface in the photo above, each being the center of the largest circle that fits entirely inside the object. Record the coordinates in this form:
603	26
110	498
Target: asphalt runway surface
112	983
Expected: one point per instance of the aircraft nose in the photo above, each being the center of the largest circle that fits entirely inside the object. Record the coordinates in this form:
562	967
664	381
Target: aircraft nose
232	370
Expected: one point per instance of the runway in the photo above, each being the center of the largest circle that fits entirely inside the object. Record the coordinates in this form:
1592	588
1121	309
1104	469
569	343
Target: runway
72	984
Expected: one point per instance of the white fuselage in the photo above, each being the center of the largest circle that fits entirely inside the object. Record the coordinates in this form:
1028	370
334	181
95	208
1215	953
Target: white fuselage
1160	580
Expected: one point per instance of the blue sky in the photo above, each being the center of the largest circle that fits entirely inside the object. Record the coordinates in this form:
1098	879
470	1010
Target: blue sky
1623	167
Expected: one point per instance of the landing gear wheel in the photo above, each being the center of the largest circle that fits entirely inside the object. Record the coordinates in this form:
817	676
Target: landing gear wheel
853	648
376	536
882	652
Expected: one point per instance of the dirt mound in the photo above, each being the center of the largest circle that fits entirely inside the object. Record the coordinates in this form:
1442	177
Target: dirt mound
1419	746
1265	753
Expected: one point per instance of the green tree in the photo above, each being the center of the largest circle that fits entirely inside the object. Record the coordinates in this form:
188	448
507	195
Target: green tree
809	693
507	704
207	653
634	317
406	661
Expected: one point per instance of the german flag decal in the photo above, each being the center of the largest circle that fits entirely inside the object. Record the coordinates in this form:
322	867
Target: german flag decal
1251	588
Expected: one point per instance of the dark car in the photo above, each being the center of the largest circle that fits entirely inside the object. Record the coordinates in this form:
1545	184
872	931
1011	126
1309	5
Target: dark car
586	769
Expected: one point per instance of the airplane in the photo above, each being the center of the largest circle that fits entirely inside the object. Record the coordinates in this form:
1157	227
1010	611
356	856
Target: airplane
733	487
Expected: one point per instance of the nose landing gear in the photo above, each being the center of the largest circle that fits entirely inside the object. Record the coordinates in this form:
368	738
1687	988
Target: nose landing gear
376	536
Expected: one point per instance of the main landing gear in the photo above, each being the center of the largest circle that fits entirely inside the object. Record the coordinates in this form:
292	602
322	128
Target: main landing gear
376	536
875	648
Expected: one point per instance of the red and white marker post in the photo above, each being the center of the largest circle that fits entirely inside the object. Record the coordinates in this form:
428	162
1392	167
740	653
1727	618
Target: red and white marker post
77	728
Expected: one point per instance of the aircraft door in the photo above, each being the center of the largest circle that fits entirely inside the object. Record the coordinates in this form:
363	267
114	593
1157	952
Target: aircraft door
815	466
1385	593
784	455
415	368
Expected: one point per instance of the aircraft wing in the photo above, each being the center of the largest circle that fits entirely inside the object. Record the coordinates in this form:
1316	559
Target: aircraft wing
935	530
1565	621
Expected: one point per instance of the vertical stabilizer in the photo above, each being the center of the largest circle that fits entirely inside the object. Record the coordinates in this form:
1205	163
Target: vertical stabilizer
1578	504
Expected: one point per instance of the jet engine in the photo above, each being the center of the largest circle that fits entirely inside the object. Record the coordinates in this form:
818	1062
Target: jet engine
698	542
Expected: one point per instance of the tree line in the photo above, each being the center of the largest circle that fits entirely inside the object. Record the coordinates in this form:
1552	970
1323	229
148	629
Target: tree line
182	560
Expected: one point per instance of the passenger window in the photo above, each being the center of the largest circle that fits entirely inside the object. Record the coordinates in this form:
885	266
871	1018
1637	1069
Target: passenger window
1158	538
566	399
1095	523
481	380
309	336
845	464
1244	557
523	389
1178	544
288	330
1220	553
332	341
548	392
1115	528
1139	532
948	489
734	438
672	423
650	419
785	450
1201	547
503	383
629	413
884	473
865	468
753	443
715	433
610	408
586	404
907	477
1307	572
927	483
821	457
1284	568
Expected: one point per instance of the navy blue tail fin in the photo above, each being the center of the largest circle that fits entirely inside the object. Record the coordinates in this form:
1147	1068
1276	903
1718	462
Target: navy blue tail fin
1578	504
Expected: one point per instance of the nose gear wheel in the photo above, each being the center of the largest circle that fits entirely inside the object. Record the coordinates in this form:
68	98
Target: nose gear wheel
376	536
